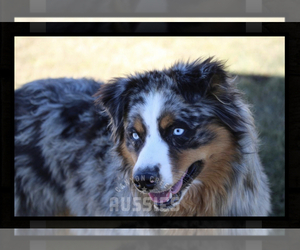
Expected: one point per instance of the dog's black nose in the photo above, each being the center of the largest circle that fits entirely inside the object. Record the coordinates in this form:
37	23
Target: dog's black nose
146	180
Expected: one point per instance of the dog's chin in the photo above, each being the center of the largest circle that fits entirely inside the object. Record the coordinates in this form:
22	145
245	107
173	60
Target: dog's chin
172	197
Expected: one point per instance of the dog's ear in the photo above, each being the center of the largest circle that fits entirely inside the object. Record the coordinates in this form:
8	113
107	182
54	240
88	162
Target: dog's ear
200	79
113	97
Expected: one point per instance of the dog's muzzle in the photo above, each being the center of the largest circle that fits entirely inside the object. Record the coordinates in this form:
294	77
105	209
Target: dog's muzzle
146	182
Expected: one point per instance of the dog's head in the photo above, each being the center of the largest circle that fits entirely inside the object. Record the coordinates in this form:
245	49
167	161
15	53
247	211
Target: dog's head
176	128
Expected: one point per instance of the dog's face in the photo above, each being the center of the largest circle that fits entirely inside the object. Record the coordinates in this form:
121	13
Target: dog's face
175	129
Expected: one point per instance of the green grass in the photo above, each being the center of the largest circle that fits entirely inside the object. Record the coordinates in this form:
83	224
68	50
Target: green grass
266	94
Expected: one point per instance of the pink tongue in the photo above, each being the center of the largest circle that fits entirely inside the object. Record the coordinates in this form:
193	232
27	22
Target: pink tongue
164	196
175	189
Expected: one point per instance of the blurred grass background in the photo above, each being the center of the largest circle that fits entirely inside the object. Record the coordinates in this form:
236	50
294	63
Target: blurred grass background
258	61
266	95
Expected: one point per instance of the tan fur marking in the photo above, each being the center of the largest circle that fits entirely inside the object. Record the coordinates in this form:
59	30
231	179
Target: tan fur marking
129	156
138	126
221	148
211	194
166	121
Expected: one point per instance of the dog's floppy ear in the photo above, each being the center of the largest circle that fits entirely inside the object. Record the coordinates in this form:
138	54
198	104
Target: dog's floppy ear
113	97
200	79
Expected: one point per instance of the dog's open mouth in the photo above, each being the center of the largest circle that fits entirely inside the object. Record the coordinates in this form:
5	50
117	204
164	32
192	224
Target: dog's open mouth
171	197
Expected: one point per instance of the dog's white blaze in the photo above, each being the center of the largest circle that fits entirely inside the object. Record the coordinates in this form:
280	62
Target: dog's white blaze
155	150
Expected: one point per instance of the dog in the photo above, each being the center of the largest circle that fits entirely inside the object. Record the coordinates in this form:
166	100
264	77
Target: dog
176	142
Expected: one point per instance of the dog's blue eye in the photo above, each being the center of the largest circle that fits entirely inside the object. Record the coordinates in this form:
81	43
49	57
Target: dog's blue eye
178	131
135	136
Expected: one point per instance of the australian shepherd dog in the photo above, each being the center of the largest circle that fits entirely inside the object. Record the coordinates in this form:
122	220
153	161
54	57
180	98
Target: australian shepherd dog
176	142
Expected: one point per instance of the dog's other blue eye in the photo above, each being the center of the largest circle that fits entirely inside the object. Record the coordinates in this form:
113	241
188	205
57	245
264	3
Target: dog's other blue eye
178	131
135	136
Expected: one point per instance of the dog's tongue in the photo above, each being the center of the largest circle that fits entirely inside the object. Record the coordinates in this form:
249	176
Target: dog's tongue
175	189
165	196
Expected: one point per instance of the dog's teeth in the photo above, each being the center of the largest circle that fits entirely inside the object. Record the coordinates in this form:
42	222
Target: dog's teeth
170	196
